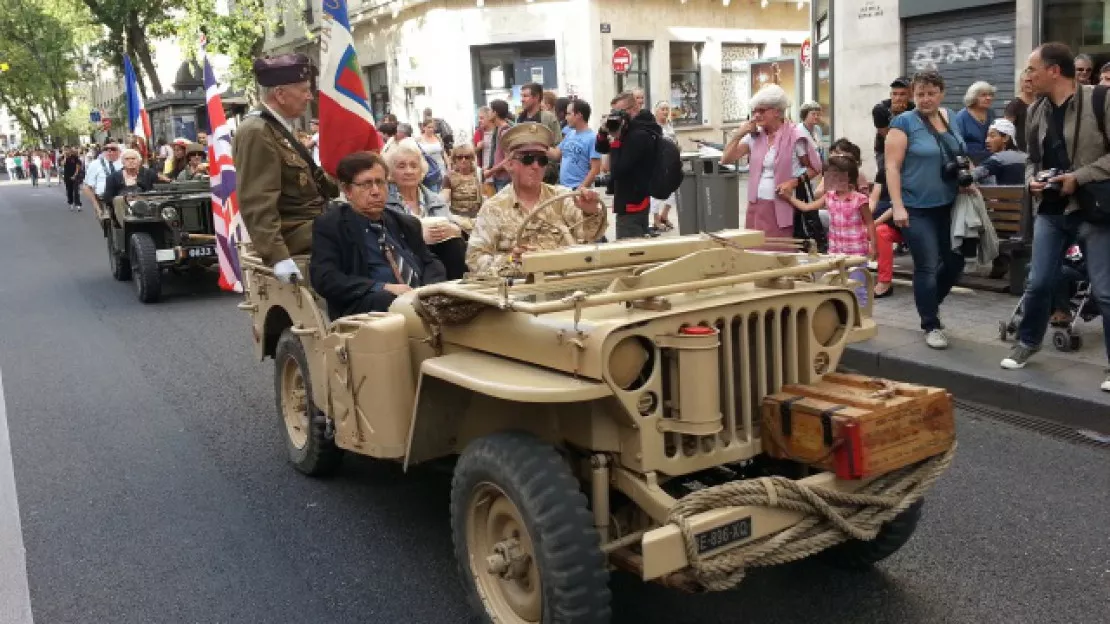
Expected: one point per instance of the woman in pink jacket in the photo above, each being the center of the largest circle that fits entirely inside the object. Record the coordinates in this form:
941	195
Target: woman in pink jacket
780	152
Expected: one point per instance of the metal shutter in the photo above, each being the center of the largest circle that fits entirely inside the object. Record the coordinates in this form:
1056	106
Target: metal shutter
965	46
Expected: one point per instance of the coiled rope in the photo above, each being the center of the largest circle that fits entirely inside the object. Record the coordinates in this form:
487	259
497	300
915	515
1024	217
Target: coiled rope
832	517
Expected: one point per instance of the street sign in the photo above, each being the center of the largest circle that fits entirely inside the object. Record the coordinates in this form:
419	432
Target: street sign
94	116
622	60
106	124
807	54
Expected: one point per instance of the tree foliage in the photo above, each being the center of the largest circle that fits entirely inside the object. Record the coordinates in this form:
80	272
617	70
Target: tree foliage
239	35
128	23
38	42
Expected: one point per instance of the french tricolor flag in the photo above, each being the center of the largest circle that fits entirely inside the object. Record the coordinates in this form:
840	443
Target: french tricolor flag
346	122
137	120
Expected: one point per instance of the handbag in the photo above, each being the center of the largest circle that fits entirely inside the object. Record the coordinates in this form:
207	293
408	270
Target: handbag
808	225
434	177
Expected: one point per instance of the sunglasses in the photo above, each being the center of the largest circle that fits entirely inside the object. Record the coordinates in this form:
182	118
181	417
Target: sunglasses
530	159
464	157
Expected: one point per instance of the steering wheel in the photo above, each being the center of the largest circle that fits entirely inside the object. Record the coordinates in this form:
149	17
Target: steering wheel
540	212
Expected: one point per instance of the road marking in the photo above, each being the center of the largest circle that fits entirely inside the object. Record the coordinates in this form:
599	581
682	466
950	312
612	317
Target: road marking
15	595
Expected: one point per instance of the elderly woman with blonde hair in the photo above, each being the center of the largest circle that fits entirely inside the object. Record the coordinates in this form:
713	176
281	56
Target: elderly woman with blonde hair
780	153
408	195
974	121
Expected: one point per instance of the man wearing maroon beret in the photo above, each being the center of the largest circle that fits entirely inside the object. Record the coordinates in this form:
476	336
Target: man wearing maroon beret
281	190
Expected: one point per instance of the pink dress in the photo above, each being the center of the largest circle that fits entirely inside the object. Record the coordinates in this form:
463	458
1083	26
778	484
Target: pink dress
847	232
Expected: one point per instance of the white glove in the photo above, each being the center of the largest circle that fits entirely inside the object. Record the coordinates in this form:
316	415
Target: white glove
287	270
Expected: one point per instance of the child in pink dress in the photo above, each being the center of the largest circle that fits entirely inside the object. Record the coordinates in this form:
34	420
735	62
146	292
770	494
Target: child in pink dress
851	229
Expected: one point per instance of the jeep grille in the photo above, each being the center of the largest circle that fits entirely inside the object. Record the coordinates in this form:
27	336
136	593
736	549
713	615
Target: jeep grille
763	346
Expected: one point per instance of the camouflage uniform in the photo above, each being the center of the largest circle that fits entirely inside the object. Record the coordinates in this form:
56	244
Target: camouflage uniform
491	241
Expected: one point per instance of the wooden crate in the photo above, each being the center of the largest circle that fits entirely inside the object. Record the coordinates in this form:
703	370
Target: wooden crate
859	427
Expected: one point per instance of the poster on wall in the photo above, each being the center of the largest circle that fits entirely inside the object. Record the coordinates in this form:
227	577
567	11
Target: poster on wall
781	71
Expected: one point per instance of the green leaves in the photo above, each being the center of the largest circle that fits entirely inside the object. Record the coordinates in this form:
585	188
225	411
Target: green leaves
38	42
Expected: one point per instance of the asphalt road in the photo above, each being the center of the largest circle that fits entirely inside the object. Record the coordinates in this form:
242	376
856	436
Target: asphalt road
152	485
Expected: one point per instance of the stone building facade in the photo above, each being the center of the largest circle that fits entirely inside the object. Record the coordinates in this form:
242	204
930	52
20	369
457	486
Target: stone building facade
456	55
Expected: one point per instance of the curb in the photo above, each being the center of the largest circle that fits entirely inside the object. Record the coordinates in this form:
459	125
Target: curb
1054	389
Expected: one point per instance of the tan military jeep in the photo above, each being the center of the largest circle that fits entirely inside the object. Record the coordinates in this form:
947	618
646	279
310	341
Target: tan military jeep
605	406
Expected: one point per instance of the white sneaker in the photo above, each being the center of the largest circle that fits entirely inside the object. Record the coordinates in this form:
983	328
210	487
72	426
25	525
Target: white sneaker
1106	384
936	339
1019	357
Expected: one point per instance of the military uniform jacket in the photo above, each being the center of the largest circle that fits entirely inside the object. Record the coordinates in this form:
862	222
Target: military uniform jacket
278	196
491	241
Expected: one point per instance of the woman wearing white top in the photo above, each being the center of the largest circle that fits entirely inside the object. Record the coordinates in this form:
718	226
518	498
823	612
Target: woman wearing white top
773	172
661	208
433	148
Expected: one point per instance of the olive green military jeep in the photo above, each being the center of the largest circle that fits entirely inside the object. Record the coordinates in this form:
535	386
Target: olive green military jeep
167	229
603	402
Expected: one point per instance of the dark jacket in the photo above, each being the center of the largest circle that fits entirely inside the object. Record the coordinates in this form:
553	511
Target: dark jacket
113	186
631	161
339	270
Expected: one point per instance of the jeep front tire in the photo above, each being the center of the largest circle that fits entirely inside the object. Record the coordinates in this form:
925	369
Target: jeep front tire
525	541
144	267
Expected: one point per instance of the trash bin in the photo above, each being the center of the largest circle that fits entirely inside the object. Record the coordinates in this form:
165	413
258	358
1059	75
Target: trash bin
718	196
688	213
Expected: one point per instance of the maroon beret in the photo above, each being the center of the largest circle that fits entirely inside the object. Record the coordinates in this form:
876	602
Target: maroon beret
283	69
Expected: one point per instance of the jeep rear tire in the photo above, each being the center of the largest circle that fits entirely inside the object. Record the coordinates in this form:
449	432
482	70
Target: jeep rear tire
121	266
310	450
525	540
144	268
859	555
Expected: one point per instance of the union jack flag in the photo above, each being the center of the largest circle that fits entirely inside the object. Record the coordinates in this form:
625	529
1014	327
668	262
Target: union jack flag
229	226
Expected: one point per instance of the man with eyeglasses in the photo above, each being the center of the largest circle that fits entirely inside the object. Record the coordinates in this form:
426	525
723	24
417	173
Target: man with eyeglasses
363	255
491	246
1084	69
281	190
96	176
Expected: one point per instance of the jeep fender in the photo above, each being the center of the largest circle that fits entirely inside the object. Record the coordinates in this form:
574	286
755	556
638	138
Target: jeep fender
463	395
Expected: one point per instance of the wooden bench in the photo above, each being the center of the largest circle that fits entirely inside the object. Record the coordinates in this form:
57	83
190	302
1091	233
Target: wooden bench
1011	213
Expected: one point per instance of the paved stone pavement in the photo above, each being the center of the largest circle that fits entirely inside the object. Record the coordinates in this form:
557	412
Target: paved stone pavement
974	315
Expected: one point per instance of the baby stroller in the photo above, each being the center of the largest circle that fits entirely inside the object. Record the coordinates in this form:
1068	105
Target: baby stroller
1079	305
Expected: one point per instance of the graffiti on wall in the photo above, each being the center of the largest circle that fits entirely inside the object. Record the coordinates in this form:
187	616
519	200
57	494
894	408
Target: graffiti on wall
933	54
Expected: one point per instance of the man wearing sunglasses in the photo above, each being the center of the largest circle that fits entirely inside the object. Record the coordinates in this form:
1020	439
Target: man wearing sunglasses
491	244
98	172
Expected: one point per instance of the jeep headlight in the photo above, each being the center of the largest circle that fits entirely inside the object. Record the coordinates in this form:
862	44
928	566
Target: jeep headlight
631	362
169	213
830	321
141	208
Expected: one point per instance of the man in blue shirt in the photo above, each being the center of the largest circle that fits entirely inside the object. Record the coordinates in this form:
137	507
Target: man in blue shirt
581	161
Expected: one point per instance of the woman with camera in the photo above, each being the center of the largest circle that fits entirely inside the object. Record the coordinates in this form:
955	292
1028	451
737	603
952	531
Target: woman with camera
926	166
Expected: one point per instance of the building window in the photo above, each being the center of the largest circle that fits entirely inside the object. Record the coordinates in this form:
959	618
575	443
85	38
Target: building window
686	100
736	79
791	50
1082	24
637	75
378	80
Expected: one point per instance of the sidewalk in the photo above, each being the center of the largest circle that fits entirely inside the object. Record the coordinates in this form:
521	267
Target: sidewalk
1063	387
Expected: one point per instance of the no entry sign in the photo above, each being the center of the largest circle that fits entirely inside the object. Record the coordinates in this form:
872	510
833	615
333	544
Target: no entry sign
622	60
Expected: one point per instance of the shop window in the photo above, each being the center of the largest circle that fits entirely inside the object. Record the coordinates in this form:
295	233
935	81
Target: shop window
637	75
1082	24
736	79
377	80
686	97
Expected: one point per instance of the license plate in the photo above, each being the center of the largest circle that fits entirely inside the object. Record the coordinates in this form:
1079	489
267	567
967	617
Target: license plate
200	252
722	536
